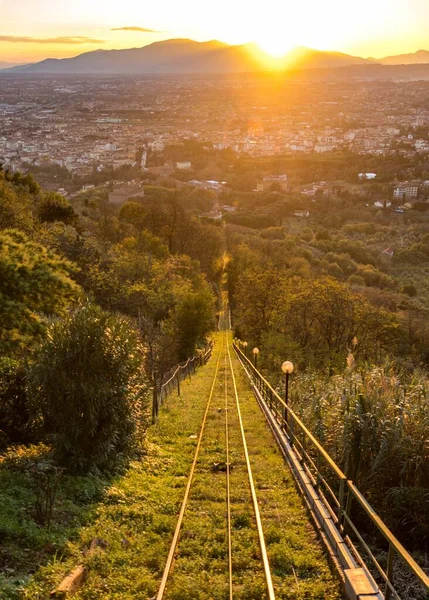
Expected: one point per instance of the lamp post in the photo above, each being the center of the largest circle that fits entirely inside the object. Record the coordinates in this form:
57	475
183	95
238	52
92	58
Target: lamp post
287	368
255	357
245	348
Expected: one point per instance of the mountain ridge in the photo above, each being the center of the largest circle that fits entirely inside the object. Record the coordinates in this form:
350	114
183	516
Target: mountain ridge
414	58
182	55
187	56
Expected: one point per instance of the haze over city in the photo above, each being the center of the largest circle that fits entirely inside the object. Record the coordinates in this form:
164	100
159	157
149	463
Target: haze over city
32	30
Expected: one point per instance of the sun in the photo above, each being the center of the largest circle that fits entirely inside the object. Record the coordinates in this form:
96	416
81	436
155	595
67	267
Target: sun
275	47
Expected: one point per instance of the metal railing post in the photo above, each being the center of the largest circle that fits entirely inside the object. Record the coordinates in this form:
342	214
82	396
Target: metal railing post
292	431
348	510
389	572
341	502
154	398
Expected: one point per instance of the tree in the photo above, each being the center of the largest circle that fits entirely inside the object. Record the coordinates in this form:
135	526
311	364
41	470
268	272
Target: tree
14	413
55	207
409	289
16	206
35	285
194	320
134	214
257	297
87	385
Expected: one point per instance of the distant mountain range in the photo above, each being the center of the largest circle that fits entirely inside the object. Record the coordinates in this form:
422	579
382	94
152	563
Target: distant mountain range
187	56
421	57
7	65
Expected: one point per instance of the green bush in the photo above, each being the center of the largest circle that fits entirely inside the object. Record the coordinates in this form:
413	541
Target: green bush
14	414
87	387
409	289
55	207
35	286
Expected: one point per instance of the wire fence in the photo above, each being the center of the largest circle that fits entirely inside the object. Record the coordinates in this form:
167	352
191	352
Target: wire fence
348	507
172	379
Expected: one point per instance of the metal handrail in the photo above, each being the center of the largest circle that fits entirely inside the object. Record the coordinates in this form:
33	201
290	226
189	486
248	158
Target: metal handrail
173	378
347	490
388	535
297	420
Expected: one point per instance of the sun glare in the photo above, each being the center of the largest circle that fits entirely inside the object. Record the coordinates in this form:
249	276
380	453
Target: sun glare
275	47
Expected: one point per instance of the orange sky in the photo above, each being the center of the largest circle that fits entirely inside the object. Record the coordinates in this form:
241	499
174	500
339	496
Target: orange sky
35	29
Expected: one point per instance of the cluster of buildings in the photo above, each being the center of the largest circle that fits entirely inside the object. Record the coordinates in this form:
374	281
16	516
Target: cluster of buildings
87	125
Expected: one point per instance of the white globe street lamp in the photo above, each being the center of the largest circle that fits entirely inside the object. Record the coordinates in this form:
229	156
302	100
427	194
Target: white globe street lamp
287	368
255	356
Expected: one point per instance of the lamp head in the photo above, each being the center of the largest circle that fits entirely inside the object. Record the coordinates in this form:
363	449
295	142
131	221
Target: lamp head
255	351
287	367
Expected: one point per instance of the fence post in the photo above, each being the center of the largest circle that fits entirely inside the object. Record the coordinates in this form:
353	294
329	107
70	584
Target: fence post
178	382
348	509
341	501
389	572
291	431
154	398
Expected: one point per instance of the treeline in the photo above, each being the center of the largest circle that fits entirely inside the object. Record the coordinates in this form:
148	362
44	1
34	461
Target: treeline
335	166
338	286
92	302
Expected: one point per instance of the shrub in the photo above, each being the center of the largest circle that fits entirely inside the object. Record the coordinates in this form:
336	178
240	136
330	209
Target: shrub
55	207
87	386
323	234
356	280
14	414
35	285
409	289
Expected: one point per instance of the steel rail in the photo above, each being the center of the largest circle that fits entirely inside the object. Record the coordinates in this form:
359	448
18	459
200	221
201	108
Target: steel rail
175	540
228	480
266	564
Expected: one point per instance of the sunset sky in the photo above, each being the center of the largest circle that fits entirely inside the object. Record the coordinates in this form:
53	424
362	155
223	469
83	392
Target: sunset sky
31	30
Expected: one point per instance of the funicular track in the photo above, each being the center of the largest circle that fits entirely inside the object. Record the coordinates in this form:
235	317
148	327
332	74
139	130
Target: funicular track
223	386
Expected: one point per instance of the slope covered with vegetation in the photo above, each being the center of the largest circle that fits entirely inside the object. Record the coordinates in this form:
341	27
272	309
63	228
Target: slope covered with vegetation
321	293
93	303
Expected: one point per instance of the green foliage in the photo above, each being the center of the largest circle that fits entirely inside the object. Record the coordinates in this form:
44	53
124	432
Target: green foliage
194	320
374	422
14	413
86	384
36	285
16	206
409	290
175	228
253	220
318	318
26	545
24	181
54	207
375	278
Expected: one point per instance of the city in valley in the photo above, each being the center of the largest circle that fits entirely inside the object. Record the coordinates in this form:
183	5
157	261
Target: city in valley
219	133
